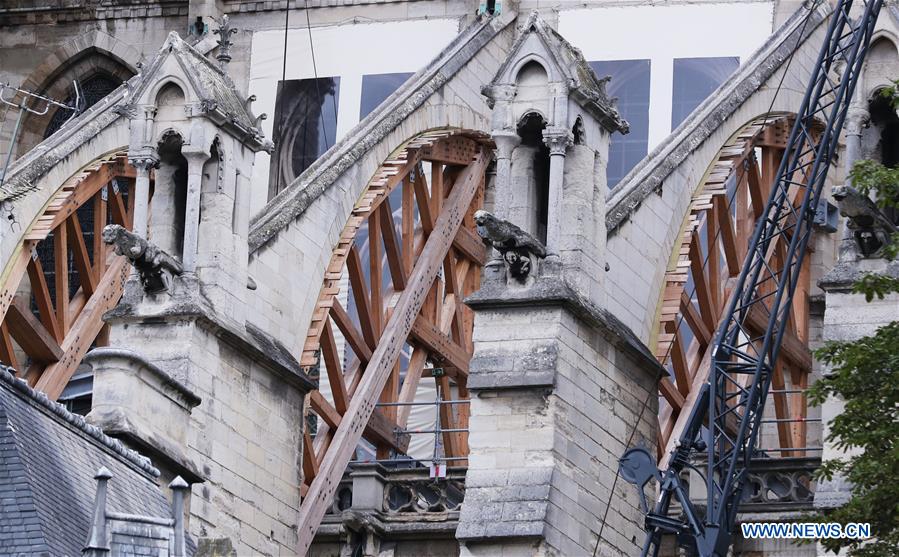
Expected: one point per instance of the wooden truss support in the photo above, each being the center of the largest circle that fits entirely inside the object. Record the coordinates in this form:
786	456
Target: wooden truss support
718	229
408	314
67	324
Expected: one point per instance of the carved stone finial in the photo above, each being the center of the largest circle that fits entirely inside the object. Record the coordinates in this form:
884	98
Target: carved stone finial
224	32
870	227
518	249
154	265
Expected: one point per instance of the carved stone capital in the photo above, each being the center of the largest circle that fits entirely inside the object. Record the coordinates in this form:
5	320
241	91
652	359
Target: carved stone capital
144	162
857	118
506	142
558	140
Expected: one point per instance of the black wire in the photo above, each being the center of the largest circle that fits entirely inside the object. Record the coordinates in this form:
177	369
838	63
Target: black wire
705	262
321	111
286	24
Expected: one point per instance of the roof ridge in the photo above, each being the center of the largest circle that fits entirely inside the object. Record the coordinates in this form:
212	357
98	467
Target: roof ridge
20	387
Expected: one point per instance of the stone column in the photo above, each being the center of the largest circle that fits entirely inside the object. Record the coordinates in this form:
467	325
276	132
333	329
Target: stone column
142	163
195	162
558	140
856	120
506	142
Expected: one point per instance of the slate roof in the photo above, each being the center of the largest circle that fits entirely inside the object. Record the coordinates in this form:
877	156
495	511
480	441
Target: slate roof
48	458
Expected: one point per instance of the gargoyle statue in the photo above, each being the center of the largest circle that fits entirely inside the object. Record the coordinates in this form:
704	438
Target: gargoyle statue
154	266
517	247
870	226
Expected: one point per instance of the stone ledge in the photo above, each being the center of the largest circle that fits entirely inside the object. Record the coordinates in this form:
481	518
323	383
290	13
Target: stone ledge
843	276
186	305
116	423
554	291
188	398
505	503
492	369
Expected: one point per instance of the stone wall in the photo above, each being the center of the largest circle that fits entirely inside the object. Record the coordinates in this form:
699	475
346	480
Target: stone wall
245	437
552	411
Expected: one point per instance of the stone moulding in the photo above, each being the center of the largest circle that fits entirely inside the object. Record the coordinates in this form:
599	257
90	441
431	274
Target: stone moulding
41	401
650	173
185	396
256	344
552	291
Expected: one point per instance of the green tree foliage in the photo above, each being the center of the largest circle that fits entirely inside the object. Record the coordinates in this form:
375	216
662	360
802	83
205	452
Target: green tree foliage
865	374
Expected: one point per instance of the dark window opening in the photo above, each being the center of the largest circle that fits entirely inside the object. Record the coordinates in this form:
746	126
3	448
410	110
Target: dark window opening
578	132
886	122
78	393
92	90
694	80
170	197
377	87
305	127
530	129
630	84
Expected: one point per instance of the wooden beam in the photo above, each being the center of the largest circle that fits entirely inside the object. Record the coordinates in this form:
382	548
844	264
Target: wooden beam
30	333
360	296
117	206
333	368
470	245
451	439
781	408
99	247
670	393
703	296
410	383
310	465
85	329
440	346
375	274
379	429
408	225
350	332
408	306
16	269
61	271
42	298
694	320
7	350
678	360
392	246
424	201
792	349
728	238
80	256
713	264
84	190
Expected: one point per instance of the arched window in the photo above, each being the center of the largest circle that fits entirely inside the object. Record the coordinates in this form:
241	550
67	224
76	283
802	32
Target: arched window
530	129
92	90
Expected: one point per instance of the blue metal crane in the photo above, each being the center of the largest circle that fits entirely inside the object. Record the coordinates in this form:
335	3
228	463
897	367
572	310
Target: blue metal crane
725	421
